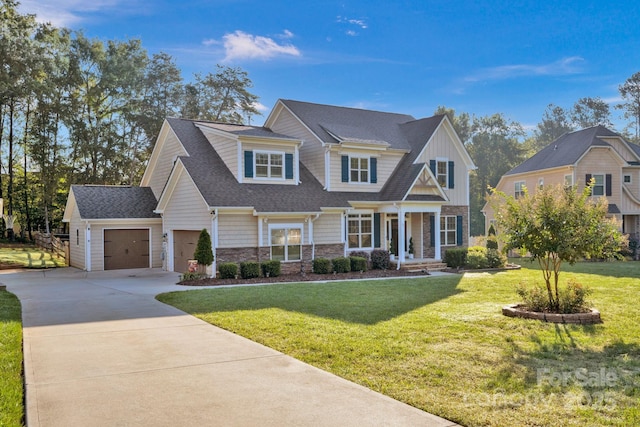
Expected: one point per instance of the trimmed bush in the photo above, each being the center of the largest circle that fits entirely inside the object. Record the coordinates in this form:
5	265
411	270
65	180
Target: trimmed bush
379	259
492	243
455	257
322	266
358	263
477	258
341	264
190	275
203	253
362	254
249	269
571	298
495	258
228	270
271	268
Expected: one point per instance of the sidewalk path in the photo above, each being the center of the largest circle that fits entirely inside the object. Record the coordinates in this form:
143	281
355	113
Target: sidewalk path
101	351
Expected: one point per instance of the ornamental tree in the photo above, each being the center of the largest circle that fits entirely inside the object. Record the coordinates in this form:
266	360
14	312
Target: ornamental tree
557	224
204	253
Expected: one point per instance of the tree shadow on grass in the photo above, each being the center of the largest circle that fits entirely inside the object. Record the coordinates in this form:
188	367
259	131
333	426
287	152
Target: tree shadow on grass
367	302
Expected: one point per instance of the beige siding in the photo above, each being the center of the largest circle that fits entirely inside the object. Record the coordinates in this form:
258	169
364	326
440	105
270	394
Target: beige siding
386	164
77	239
227	149
311	152
186	210
171	149
238	230
601	161
326	229
621	148
271	148
442	146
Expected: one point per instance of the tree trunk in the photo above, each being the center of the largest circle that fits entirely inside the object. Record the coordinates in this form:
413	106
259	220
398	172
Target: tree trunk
10	235
26	177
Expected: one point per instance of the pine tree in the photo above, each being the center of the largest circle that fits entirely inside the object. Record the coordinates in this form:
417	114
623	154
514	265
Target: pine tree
203	253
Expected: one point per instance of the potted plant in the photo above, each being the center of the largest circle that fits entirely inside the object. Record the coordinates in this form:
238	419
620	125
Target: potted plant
203	254
411	248
392	250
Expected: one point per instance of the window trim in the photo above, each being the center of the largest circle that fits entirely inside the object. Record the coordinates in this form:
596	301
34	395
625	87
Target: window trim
540	183
624	178
603	185
360	170
286	227
446	174
517	194
444	230
568	183
282	177
360	234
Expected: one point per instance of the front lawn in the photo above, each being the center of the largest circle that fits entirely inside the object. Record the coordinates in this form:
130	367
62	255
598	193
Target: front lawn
441	343
28	257
11	387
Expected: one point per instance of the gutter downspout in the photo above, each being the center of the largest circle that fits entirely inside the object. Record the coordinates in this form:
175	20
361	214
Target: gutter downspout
312	236
214	241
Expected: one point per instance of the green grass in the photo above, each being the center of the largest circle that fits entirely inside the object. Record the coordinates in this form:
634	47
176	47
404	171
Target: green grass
441	343
11	382
28	257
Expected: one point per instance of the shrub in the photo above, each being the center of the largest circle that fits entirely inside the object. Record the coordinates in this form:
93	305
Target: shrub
477	257
189	276
492	243
341	264
228	270
572	298
322	266
362	254
249	269
203	253
455	257
358	263
495	258
534	297
380	259
271	268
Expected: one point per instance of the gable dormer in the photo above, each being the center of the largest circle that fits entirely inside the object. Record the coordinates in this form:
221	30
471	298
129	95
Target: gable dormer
255	154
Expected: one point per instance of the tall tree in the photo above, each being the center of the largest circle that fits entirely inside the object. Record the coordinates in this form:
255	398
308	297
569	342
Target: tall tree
588	112
630	92
555	123
461	122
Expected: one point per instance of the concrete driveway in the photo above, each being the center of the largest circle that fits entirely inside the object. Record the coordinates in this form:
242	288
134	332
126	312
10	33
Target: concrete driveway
101	351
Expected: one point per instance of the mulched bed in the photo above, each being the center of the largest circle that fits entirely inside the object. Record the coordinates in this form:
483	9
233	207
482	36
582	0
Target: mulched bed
307	277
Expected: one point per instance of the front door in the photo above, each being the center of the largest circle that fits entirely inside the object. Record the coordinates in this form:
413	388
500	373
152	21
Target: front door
394	236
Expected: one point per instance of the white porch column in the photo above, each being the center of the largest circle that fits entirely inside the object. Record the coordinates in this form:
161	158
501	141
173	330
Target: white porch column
438	254
87	243
401	236
214	243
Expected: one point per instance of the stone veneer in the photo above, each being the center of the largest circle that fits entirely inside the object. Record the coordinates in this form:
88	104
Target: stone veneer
239	255
463	211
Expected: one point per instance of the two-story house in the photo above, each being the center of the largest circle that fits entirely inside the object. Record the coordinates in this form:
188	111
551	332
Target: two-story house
574	159
314	181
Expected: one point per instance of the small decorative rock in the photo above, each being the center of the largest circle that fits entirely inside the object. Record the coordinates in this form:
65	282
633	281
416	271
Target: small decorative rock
518	310
3	287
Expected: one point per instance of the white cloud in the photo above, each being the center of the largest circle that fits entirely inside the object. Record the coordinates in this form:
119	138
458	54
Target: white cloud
67	13
564	66
360	23
240	45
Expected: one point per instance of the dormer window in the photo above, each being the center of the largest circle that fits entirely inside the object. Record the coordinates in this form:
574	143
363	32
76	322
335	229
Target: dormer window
269	164
359	169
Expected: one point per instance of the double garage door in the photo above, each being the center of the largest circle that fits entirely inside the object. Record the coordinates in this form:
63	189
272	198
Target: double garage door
184	246
126	248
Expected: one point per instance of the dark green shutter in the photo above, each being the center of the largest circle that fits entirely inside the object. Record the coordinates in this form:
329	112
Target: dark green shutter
248	164
288	166
432	228
459	230
376	230
451	179
587	178
345	168
608	184
374	170
432	166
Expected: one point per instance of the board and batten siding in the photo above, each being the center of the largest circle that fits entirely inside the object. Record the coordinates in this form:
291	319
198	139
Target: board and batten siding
385	165
238	230
171	149
442	146
621	148
628	205
227	149
326	229
312	151
77	239
186	210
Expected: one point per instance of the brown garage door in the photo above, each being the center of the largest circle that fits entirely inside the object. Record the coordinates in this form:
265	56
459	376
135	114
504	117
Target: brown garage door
126	248
184	246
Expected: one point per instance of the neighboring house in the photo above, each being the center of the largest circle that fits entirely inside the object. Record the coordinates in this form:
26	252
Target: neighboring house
574	159
314	181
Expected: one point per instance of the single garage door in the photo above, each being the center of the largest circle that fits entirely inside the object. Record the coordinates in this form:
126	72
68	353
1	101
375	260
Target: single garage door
184	246
126	248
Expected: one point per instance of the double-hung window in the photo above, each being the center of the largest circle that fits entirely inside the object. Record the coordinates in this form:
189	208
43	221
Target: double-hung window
359	169
598	187
269	164
568	181
360	231
442	172
286	243
448	230
519	189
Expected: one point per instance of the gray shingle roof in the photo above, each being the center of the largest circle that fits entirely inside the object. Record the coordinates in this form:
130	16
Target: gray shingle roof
113	202
351	123
565	150
244	130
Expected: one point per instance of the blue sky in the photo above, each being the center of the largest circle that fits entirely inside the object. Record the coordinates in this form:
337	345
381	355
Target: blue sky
513	57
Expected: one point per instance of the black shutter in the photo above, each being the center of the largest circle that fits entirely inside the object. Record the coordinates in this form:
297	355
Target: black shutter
288	166
374	170
608	184
345	168
459	230
451	178
248	164
376	230
432	227
432	166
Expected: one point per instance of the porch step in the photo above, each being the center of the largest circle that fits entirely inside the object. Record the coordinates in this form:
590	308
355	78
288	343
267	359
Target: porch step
422	266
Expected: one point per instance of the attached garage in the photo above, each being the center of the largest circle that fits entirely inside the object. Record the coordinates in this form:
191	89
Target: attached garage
184	246
126	248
